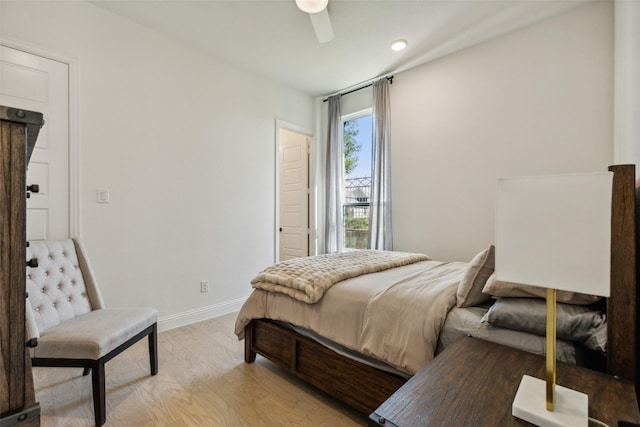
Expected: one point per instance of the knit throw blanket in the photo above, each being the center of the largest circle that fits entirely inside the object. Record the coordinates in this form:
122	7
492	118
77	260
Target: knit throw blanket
306	279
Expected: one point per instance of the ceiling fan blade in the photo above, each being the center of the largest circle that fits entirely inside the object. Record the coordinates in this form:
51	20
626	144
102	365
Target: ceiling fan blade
322	25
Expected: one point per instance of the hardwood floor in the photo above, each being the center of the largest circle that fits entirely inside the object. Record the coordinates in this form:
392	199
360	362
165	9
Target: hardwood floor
203	381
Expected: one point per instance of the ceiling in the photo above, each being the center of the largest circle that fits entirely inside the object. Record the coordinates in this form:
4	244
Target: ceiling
274	39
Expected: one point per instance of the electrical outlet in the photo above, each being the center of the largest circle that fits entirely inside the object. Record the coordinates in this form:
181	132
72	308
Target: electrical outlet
204	286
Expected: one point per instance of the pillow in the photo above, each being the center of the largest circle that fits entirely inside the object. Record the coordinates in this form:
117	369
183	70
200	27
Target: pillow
508	289
474	278
598	340
573	322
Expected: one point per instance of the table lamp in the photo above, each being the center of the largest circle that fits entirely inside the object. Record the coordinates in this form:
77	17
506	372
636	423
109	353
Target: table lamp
554	232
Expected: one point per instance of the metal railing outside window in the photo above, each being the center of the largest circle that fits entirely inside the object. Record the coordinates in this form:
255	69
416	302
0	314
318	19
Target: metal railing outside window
356	212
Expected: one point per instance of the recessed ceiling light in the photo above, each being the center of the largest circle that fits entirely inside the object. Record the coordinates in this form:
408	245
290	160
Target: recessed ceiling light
312	6
399	44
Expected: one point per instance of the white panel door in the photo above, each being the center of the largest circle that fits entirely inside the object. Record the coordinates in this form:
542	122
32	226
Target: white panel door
294	195
39	84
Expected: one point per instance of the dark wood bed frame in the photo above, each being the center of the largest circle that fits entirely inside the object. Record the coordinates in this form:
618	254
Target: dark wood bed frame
364	388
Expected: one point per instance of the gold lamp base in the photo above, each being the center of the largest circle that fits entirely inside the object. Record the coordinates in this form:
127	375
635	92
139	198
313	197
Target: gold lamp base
571	408
544	403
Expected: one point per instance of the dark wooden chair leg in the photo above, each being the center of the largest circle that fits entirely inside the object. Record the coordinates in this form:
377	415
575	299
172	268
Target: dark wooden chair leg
153	349
99	395
86	371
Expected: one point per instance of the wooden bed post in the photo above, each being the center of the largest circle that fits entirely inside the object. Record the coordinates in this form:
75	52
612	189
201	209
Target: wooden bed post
637	344
622	319
249	353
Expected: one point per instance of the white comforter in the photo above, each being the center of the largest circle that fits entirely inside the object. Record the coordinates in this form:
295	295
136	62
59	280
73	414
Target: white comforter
394	316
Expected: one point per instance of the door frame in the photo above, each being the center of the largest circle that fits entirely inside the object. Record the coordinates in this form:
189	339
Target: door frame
284	125
74	146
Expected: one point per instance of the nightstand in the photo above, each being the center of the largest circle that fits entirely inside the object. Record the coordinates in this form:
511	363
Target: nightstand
473	383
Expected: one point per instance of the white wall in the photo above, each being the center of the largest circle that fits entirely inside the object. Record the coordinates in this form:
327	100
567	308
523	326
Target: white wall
535	101
627	82
185	144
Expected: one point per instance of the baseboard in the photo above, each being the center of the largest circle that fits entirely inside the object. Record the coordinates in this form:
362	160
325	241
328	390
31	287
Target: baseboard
172	321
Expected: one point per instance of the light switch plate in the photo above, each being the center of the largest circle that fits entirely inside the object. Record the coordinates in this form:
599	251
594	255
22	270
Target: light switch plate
103	196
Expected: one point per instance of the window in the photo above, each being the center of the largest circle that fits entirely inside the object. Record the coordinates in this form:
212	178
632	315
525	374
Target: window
357	140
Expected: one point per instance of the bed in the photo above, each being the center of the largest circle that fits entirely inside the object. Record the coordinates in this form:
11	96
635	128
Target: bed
363	373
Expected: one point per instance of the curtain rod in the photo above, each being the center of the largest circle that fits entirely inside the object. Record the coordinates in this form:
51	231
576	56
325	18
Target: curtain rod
390	78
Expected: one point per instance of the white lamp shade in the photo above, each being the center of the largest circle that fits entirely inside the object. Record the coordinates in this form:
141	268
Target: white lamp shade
312	6
555	231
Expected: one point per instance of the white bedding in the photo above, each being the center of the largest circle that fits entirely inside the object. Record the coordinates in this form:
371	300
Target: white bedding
393	316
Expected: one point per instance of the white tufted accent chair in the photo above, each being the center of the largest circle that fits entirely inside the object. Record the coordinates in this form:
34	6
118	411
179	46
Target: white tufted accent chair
67	319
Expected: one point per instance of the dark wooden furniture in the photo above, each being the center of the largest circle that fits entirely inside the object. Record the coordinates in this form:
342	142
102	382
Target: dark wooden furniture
473	383
18	133
358	385
622	311
362	387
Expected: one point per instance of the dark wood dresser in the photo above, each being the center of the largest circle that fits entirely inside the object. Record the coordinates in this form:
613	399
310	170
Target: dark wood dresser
18	133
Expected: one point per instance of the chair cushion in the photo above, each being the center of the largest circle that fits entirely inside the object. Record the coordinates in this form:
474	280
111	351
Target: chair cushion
94	334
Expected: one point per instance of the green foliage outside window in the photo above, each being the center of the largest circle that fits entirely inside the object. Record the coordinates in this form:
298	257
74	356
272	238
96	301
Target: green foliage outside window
351	146
351	223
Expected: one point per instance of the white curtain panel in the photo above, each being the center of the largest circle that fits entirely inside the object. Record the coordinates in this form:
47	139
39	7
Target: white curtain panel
334	176
380	229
